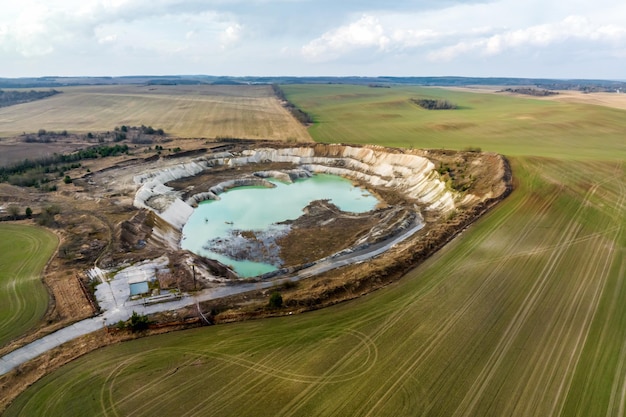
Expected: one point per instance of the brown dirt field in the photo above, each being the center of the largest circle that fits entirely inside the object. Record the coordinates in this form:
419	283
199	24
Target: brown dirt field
614	100
12	151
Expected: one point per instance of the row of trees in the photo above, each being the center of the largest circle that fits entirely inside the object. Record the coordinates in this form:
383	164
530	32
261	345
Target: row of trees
300	115
136	134
530	91
9	98
147	130
45	218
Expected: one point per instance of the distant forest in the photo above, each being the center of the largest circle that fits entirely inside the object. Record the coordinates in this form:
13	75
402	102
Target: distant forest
9	98
543	83
529	92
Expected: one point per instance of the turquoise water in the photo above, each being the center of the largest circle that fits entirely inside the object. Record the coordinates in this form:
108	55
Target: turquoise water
259	209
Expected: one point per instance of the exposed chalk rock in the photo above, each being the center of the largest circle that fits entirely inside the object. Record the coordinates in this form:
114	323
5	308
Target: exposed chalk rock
287	176
413	175
240	182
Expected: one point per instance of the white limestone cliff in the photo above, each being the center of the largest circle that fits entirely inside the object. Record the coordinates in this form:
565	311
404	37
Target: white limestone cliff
412	175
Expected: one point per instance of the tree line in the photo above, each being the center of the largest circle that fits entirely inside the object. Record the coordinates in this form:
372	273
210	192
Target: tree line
300	115
9	98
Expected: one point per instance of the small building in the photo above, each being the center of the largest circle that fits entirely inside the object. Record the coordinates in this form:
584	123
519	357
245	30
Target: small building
139	284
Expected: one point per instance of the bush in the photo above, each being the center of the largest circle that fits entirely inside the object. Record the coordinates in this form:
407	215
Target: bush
430	104
138	322
276	300
473	149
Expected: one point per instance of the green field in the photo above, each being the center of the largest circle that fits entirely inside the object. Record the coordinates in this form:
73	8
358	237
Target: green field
494	122
185	111
24	252
522	315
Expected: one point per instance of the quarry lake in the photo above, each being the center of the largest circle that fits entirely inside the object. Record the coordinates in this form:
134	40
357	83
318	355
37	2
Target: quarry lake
245	223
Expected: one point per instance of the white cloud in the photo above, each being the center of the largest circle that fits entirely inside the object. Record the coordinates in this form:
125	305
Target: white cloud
366	32
312	36
41	28
572	28
107	39
230	35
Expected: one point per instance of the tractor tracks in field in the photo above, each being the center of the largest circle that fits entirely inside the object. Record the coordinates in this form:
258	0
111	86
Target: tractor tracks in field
493	363
430	345
18	299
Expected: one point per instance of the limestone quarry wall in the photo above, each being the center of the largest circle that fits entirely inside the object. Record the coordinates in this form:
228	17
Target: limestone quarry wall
412	175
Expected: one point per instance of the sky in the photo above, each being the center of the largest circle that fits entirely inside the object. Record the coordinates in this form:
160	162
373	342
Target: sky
498	38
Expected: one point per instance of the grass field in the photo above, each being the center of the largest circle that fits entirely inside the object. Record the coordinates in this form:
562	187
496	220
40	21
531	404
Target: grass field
494	122
184	111
522	315
24	251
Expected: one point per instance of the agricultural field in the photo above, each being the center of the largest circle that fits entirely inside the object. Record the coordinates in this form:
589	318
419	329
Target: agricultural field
494	122
24	251
251	112
520	315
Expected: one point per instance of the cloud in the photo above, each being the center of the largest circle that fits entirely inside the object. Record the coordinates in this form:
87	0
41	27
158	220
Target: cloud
107	39
573	28
40	29
366	32
230	35
288	36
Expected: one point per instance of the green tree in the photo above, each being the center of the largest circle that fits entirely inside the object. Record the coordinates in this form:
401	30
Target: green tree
276	300
67	179
138	322
29	212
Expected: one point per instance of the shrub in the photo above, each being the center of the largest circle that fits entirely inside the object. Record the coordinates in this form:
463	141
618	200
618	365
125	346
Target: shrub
276	300
430	104
473	149
138	322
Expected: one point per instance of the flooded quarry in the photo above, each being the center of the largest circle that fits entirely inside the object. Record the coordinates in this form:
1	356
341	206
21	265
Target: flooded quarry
349	219
243	228
264	209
